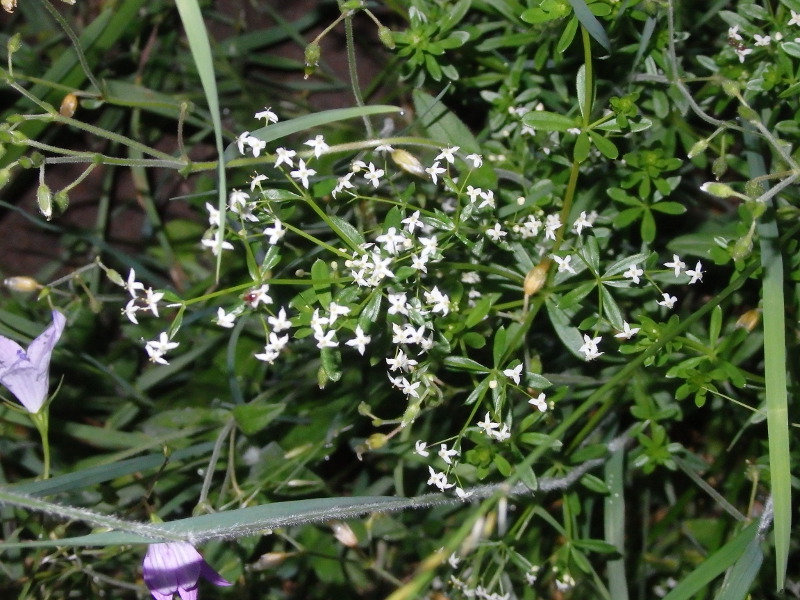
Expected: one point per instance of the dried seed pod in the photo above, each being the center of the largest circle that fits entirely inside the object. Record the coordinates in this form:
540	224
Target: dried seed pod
22	284
68	105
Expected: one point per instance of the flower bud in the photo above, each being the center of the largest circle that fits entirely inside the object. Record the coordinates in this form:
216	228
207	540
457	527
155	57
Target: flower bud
22	284
536	277
44	198
719	166
68	105
749	320
14	42
115	277
720	190
377	440
731	88
385	36
312	54
753	189
270	560
344	533
408	162
698	148
61	199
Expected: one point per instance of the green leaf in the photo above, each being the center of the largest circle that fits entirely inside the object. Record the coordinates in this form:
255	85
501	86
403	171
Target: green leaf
699	579
321	278
349	234
200	47
582	147
462	363
499	347
369	314
280	130
669	208
442	125
331	359
606	147
255	416
543	120
590	23
569	335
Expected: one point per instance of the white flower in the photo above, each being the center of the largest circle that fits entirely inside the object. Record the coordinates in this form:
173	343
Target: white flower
488	425
564	264
269	355
633	273
318	144
343	183
224	319
325	339
419	448
279	323
696	274
303	173
439	480
397	304
462	495
502	435
496	233
488	199
152	299
275	233
412	222
668	301
392	241
284	156
447	154
267	115
242	140
476	159
540	402
514	373
255	182
581	222
453	560
335	311
408	388
627	331
373	175
795	20
733	33
473	193
762	40
676	264
215	243
551	224
447	455
156	349
440	301
213	215
132	285
256	145
130	311
741	52
360	341
434	171
589	347
259	295
401	362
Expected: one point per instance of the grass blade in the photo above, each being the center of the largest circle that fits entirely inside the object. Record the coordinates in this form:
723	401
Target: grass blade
197	34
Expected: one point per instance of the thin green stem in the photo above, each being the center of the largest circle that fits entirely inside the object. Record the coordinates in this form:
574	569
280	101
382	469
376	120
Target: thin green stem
351	64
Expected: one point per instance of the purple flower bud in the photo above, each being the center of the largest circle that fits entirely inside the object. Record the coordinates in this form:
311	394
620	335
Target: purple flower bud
176	567
26	373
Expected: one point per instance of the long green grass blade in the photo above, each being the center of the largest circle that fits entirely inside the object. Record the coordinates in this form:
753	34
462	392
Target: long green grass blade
774	371
614	523
280	130
200	47
714	565
740	578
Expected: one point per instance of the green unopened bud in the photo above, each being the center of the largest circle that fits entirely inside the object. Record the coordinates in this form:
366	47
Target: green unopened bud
44	198
742	248
747	113
408	162
22	284
409	415
720	190
731	88
377	440
753	189
698	148
61	200
386	37
5	176
312	54
351	5
115	277
719	166
14	43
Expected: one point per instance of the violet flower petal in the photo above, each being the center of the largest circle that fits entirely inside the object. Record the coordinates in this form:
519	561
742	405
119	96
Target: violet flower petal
176	567
26	373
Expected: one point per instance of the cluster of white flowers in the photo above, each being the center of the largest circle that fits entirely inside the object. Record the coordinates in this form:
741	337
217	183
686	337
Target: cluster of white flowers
736	40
